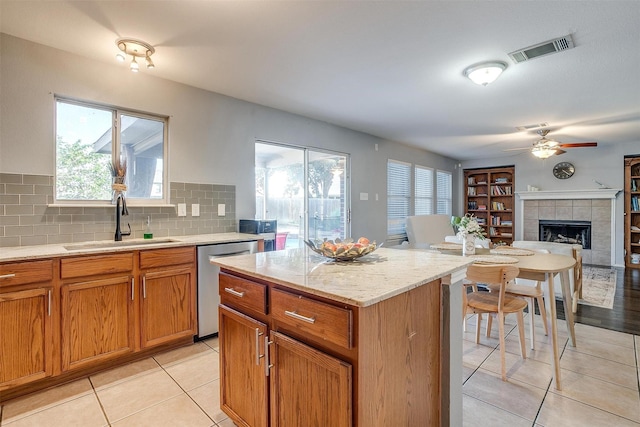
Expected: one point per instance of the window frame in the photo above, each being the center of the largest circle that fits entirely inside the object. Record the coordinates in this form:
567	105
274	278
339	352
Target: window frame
116	116
449	197
412	197
407	195
428	196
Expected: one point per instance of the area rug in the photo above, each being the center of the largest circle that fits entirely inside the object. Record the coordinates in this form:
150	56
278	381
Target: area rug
598	286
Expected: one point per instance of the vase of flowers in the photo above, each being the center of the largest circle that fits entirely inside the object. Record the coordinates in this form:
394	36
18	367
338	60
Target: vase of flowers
469	230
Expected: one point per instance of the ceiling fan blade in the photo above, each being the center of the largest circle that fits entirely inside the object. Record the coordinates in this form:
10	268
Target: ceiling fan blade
517	149
578	144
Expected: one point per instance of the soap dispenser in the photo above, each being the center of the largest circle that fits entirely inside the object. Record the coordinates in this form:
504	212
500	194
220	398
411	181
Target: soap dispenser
147	230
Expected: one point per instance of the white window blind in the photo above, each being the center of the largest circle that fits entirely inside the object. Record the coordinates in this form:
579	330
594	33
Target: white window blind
443	191
398	197
423	191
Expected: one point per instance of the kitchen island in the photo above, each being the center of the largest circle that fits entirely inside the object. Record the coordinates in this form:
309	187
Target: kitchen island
308	341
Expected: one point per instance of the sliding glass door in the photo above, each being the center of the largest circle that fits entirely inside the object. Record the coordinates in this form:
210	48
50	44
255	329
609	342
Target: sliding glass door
305	190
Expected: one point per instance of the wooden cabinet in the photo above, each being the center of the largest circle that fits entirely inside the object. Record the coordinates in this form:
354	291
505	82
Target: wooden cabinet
102	296
292	359
97	306
168	308
26	337
244	381
632	211
97	321
489	195
269	378
308	386
67	317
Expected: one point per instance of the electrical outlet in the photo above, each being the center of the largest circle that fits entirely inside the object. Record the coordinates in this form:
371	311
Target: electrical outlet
195	209
182	209
221	208
364	196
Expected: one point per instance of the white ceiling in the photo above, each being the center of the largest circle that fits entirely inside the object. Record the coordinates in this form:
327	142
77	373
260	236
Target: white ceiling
388	68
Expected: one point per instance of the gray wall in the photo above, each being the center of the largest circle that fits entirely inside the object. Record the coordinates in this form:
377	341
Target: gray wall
211	135
604	163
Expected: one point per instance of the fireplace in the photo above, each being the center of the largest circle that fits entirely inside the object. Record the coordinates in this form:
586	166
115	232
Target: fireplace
565	231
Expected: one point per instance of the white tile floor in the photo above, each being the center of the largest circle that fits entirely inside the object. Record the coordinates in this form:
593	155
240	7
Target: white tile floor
181	387
599	379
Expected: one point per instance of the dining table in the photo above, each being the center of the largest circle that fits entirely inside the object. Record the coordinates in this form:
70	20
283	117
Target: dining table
539	267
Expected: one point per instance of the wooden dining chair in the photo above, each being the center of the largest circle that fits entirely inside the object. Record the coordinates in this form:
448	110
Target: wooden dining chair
466	310
499	303
531	291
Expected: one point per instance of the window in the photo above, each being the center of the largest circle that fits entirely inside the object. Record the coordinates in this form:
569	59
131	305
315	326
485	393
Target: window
400	190
305	189
90	137
423	204
398	197
444	197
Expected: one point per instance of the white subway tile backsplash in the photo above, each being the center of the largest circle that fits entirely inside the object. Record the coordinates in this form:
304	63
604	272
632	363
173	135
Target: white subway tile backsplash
27	218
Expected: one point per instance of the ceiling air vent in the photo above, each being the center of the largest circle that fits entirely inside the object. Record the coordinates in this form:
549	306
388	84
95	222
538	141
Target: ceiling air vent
533	126
541	49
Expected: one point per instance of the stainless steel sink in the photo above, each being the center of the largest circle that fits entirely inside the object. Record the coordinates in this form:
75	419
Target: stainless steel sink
113	244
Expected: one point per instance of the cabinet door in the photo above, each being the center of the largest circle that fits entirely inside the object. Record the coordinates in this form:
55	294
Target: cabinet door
243	379
25	331
97	321
168	306
308	387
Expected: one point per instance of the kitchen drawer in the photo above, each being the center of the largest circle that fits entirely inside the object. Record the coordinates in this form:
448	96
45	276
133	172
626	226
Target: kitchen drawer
93	265
164	257
239	293
22	273
308	316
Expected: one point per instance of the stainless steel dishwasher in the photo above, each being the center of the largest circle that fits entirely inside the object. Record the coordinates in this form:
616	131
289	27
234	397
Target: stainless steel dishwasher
208	297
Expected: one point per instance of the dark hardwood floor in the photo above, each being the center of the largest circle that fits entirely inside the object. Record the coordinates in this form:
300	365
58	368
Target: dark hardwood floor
625	315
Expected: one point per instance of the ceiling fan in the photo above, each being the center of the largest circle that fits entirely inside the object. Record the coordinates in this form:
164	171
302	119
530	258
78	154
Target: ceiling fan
545	147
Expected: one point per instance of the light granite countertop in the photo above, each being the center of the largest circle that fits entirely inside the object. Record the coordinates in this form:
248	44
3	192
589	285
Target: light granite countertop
366	281
23	253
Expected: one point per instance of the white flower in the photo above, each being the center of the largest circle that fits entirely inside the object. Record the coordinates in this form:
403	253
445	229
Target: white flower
469	226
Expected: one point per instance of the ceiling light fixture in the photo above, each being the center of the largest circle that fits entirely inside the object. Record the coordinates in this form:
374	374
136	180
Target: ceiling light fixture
543	151
137	49
485	72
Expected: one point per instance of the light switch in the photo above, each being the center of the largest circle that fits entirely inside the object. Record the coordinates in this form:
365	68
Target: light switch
221	209
182	209
376	197
364	196
195	209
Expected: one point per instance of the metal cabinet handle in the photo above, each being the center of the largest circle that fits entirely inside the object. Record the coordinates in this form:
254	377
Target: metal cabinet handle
300	317
49	304
144	287
267	365
8	276
234	292
133	288
258	355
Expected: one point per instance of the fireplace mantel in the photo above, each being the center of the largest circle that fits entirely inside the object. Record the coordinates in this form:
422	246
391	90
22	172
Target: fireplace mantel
560	196
599	193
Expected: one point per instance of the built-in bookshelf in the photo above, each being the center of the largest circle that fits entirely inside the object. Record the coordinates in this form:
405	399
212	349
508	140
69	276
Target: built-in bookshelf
489	195
632	211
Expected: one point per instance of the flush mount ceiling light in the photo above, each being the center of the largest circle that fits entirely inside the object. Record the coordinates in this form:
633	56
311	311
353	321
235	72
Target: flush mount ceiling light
137	49
485	72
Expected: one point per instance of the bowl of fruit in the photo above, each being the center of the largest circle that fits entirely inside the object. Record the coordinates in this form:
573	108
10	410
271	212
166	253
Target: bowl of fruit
343	250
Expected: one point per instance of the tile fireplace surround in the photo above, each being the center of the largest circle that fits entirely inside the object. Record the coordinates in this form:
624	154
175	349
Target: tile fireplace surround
596	206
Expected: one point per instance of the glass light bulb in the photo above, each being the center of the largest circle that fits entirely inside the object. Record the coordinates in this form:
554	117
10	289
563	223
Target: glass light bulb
134	65
150	63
